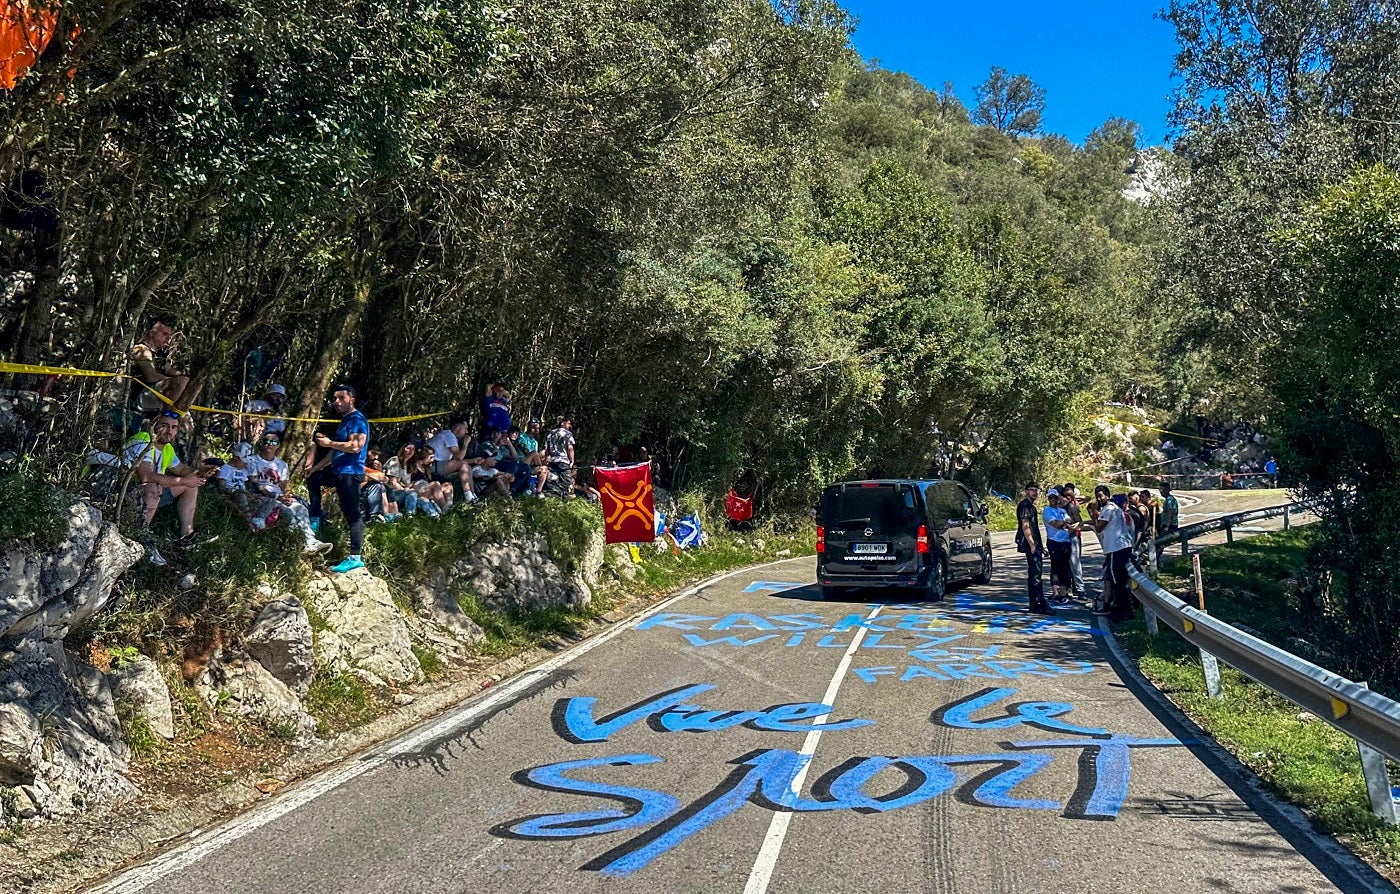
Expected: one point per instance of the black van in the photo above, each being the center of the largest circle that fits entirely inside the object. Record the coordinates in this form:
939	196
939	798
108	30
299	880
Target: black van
901	532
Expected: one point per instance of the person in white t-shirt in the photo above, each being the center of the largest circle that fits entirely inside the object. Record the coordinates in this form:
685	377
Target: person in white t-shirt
450	458
1116	541
271	479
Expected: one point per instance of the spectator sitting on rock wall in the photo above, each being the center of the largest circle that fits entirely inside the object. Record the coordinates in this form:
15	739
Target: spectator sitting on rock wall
270	481
166	478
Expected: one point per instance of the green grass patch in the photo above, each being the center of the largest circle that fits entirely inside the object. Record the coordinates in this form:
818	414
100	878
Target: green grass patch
430	662
1001	514
1298	756
340	702
136	730
409	548
1250	582
37	513
509	634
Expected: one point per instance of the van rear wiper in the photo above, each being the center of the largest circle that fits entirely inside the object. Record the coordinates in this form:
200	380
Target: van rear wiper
848	522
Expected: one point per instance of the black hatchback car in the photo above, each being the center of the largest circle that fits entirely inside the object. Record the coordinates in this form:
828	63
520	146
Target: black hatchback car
901	533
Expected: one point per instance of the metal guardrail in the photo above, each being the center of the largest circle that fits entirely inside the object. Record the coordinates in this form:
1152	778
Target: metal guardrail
1368	717
1227	523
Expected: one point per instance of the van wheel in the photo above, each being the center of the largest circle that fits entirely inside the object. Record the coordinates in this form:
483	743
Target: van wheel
828	593
937	586
985	577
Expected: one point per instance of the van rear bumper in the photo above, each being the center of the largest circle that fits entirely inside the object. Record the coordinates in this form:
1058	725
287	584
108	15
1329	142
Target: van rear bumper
873	579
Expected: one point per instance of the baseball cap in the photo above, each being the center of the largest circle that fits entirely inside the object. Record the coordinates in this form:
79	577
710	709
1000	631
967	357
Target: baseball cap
276	388
1053	492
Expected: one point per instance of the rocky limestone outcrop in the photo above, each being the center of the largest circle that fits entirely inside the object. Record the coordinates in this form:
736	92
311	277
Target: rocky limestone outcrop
138	682
440	622
281	641
518	574
60	741
238	684
367	632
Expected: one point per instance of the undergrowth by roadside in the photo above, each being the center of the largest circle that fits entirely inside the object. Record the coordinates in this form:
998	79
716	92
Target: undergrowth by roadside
1298	756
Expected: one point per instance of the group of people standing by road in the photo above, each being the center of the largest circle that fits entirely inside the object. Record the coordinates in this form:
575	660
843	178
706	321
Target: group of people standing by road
1126	526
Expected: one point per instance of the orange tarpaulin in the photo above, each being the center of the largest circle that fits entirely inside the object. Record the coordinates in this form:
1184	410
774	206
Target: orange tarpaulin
25	30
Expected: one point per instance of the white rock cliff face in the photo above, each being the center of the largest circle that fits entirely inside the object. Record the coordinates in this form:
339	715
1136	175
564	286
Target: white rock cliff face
61	748
61	745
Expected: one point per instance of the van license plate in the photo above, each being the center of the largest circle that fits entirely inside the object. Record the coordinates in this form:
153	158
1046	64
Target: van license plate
877	549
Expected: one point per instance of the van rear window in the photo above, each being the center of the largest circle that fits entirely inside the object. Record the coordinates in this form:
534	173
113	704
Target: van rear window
887	508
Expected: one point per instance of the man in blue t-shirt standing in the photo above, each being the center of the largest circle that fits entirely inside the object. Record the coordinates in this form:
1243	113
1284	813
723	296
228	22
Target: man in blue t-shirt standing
343	468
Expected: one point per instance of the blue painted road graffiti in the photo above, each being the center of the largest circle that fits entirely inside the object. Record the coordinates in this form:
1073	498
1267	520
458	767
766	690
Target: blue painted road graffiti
767	778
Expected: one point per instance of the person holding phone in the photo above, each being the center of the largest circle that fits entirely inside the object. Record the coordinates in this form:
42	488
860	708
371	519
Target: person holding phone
164	476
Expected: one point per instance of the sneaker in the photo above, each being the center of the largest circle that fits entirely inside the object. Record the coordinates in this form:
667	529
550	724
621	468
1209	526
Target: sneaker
316	546
154	557
1101	612
1060	600
185	541
258	524
350	564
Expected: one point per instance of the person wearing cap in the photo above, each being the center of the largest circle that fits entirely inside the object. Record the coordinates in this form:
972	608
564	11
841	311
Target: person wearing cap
1028	541
252	427
560	448
1057	540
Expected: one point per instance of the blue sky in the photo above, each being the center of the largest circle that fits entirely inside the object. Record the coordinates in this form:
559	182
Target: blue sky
1096	59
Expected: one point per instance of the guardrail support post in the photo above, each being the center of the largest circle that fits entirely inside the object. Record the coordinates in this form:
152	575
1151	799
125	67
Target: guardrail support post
1229	532
1378	782
1286	524
1150	618
1183	543
1212	669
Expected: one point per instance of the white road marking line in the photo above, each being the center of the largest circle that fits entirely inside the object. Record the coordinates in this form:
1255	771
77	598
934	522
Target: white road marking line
143	876
767	860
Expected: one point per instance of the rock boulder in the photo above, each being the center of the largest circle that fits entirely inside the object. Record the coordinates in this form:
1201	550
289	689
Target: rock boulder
139	683
369	632
280	640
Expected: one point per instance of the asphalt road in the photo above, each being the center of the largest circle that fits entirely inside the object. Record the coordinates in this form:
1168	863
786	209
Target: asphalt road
968	747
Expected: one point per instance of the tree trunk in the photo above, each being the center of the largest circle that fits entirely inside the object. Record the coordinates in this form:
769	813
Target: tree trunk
335	336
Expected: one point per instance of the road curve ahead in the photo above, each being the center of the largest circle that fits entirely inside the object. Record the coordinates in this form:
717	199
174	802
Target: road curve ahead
751	738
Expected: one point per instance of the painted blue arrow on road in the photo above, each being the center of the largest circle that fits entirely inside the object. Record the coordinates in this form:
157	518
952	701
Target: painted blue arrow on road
773	586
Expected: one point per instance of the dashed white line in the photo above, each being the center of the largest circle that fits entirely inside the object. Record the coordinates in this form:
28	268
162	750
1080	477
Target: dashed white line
767	860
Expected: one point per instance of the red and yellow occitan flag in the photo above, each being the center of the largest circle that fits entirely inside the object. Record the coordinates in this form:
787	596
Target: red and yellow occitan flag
629	506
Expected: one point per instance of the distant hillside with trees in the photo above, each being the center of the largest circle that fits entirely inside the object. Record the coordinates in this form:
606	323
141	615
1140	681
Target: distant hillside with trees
709	227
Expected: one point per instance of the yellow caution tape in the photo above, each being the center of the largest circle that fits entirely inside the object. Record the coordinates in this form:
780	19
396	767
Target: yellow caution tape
40	370
1176	434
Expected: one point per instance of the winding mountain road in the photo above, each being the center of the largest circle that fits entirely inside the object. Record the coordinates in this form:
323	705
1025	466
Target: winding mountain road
749	737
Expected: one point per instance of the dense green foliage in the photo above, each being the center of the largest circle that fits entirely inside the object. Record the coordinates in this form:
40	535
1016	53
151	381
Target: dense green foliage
704	226
1285	269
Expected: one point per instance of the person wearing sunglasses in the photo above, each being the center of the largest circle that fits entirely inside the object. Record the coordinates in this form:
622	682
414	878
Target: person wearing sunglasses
165	478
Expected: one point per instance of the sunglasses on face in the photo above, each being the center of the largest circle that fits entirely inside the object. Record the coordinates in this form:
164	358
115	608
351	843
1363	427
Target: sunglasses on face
169	414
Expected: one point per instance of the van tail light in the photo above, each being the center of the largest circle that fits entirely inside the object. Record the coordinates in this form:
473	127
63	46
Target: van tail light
922	540
821	540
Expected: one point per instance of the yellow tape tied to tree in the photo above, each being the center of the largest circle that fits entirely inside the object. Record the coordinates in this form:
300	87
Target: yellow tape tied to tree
39	370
